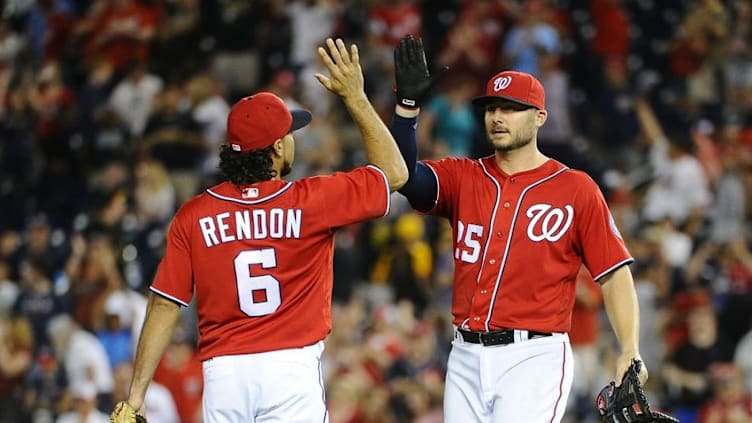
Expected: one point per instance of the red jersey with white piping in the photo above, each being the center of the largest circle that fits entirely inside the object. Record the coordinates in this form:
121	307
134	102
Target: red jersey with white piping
519	241
259	259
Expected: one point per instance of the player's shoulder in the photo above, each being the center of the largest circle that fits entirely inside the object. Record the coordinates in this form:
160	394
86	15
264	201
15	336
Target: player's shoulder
356	172
578	176
579	182
196	204
459	163
555	171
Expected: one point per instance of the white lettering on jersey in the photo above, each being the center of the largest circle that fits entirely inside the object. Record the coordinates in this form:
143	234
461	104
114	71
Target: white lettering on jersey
468	249
547	222
275	223
259	224
256	224
223	227
209	231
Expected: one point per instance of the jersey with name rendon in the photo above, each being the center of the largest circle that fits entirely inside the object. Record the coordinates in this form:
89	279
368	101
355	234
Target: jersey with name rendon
238	225
259	260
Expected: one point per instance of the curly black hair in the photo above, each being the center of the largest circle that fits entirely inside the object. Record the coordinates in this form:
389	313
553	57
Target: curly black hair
246	168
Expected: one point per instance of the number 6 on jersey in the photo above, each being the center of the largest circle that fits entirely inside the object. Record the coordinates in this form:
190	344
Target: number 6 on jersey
248	284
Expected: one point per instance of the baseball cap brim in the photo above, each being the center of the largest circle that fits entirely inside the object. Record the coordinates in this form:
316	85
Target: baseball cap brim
300	118
481	101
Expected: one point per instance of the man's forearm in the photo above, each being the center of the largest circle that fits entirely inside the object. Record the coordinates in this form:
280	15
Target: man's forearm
380	147
161	317
421	188
622	308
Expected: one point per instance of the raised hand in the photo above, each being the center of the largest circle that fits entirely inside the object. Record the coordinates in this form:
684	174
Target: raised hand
414	82
346	76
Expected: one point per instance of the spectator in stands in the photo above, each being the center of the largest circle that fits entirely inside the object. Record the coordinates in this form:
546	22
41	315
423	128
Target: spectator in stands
46	393
687	369
133	96
588	369
37	302
16	358
85	405
680	189
448	125
8	290
158	401
85	360
180	372
731	402
115	332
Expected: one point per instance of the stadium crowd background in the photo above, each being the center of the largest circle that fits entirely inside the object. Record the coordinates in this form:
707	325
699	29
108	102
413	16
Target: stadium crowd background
111	113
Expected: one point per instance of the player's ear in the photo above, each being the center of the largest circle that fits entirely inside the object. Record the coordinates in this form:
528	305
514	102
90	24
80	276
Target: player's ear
278	147
540	117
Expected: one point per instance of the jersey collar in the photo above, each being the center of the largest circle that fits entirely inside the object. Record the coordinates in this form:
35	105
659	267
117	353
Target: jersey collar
249	194
549	167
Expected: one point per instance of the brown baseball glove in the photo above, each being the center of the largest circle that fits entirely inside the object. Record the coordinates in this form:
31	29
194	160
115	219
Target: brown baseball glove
124	413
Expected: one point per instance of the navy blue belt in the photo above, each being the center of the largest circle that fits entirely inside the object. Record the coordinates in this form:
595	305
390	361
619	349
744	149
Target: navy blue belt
502	337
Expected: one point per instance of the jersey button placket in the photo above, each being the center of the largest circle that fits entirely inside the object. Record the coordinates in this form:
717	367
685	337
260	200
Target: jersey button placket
507	204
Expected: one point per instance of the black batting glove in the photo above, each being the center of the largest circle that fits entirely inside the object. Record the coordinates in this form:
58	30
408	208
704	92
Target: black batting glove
411	73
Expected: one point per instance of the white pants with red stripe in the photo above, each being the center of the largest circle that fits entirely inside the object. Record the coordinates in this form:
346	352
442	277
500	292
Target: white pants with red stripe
527	381
284	386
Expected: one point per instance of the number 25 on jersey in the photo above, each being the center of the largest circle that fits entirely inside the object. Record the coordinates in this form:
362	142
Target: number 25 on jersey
468	242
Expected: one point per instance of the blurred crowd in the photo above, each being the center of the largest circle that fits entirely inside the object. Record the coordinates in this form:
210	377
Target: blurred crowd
112	111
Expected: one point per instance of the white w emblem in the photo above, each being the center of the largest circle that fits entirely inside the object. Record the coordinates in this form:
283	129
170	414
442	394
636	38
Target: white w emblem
502	82
547	222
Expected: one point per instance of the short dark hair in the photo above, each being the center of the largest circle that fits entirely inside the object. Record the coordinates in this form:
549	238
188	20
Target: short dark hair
246	168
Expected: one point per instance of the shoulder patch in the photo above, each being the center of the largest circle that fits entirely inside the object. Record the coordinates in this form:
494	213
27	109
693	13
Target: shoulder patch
612	223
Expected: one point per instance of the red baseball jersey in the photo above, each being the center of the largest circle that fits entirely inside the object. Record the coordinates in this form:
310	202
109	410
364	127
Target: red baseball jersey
520	241
259	260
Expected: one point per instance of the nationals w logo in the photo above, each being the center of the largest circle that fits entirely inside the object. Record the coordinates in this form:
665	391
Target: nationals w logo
547	222
502	82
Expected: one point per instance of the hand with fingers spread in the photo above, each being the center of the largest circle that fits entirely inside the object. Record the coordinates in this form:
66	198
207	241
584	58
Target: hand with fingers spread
346	76
414	82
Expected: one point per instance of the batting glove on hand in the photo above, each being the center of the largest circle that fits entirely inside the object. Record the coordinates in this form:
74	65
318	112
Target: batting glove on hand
124	413
411	73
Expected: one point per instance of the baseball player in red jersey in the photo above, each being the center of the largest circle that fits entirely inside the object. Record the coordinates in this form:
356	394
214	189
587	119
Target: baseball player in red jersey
256	253
523	224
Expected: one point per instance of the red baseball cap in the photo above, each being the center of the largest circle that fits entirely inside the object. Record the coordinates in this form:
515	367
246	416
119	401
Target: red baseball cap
519	87
256	121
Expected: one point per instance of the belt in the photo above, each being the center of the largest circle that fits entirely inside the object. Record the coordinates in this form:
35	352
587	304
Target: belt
502	337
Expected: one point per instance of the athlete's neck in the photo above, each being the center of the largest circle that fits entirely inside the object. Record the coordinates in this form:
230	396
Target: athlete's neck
519	160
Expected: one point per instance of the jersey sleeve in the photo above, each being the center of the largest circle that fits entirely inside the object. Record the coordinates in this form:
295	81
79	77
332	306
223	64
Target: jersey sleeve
174	278
447	173
603	249
349	197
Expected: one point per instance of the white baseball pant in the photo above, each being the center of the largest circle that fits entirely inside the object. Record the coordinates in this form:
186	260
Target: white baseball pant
527	381
284	386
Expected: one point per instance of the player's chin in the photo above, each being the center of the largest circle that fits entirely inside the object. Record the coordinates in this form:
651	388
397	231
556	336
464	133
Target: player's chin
500	141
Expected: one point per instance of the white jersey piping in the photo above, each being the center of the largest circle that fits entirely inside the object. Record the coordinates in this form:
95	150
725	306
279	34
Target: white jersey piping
614	267
170	297
388	191
249	202
509	238
490	232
